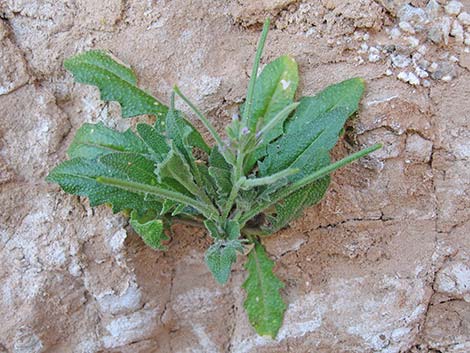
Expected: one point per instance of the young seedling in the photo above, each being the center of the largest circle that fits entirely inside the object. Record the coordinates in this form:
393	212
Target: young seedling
274	163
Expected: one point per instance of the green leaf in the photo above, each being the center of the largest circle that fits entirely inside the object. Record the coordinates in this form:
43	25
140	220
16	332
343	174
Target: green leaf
263	304
176	167
213	229
220	257
274	91
94	140
115	81
149	229
232	229
155	142
310	135
79	176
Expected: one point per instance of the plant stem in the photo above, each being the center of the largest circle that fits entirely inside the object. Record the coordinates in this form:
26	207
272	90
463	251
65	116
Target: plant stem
207	210
232	197
305	181
204	120
250	183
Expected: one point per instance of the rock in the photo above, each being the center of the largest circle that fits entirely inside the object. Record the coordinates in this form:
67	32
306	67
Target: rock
432	8
464	18
442	70
453	7
374	55
400	61
416	16
13	72
467	39
457	31
418	148
406	27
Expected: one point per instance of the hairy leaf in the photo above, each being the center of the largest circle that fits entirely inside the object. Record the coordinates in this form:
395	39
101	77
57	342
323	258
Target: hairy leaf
309	135
220	257
94	140
78	176
274	90
149	229
263	304
115	81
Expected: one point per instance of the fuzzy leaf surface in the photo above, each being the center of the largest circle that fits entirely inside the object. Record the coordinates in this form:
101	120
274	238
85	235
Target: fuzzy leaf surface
78	176
310	135
115	81
149	229
94	140
263	304
220	257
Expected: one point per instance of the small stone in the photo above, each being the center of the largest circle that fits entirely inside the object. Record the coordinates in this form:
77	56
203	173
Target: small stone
426	83
447	78
467	39
400	61
457	31
453	58
421	73
413	15
464	17
432	8
414	42
443	71
403	76
435	34
374	55
406	27
453	7
445	28
395	33
408	77
412	79
388	72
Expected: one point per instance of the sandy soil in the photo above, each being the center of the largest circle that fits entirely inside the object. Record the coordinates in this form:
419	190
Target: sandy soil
381	265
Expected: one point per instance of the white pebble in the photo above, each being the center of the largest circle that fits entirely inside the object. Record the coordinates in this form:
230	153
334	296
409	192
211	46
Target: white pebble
374	55
422	49
427	83
400	61
388	72
453	7
433	67
412	79
403	76
408	78
467	39
395	33
421	73
445	28
446	78
432	8
464	17
457	31
414	42
407	27
453	58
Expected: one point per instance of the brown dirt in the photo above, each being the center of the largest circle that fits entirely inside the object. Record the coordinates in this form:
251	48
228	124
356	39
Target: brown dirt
381	265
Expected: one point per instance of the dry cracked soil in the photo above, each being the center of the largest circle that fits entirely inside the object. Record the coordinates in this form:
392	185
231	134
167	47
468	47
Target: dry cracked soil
382	264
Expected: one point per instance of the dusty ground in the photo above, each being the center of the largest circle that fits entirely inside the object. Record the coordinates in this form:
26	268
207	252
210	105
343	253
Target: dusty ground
381	265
